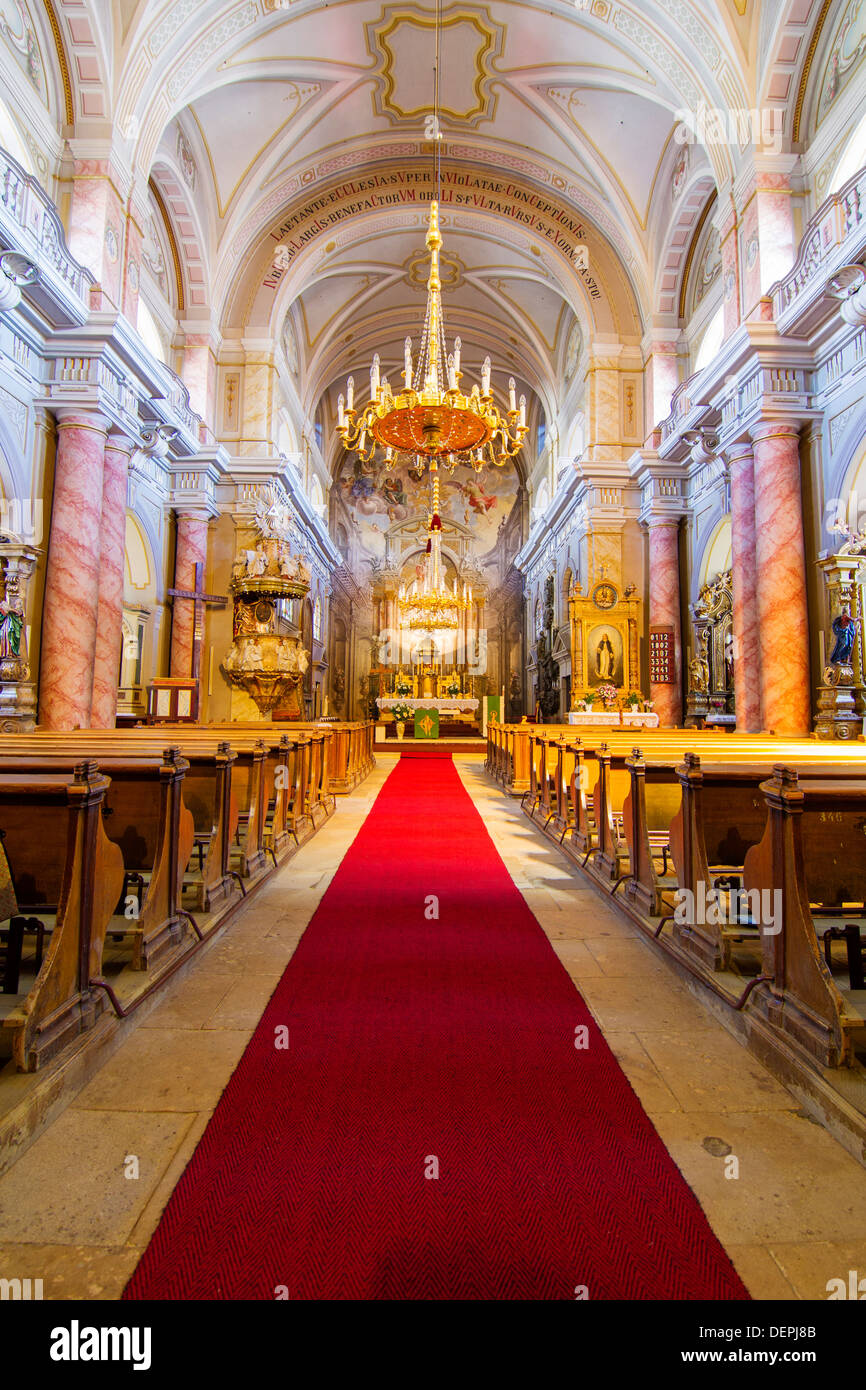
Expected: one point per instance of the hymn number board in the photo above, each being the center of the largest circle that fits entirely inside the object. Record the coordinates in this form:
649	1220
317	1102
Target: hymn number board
661	654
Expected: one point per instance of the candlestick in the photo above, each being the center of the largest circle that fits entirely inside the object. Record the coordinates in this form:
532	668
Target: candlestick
341	411
457	347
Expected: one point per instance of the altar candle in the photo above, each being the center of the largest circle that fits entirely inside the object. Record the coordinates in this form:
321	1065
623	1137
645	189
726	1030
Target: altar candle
407	363
341	412
374	377
457	348
523	411
452	379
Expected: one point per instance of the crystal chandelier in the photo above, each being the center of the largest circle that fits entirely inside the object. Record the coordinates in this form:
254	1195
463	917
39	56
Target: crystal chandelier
432	420
429	604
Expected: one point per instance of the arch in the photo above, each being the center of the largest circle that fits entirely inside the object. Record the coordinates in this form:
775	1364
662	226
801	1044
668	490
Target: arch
18	514
185	236
139	568
716	557
845	500
679	243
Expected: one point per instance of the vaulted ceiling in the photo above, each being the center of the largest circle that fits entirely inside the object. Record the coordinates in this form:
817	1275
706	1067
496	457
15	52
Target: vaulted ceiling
302	133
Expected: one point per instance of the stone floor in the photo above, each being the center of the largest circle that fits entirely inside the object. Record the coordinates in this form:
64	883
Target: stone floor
81	1204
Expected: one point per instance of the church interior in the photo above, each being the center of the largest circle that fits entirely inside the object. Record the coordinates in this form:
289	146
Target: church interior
432	668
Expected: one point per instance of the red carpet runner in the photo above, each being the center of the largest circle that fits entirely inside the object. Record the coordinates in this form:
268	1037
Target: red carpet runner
419	1044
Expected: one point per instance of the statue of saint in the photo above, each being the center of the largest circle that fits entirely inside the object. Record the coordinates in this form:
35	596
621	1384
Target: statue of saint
604	659
845	629
11	626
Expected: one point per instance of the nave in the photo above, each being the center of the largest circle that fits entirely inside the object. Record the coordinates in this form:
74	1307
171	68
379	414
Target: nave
794	1217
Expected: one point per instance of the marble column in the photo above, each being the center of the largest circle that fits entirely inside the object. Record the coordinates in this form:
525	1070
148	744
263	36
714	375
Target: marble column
747	662
780	585
71	603
191	550
664	610
106	661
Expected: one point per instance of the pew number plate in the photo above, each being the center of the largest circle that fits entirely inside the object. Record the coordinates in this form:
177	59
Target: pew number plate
661	655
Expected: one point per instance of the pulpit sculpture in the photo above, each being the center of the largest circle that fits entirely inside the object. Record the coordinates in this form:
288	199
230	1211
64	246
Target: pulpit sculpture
266	663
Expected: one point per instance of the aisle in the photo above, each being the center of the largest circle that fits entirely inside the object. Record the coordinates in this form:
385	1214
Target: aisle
431	1130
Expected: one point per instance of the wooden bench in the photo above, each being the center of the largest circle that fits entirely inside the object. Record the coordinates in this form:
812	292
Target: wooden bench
812	855
64	867
146	817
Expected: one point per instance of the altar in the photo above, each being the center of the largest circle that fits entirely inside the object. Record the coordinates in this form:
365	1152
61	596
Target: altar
611	718
440	704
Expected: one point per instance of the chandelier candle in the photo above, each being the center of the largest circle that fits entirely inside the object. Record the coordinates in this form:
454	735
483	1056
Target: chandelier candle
428	421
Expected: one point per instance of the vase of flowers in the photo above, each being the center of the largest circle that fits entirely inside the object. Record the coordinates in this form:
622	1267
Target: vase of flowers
608	694
402	686
401	714
452	689
634	700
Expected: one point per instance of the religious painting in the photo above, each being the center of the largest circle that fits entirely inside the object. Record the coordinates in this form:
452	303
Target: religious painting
604	656
846	53
377	499
17	29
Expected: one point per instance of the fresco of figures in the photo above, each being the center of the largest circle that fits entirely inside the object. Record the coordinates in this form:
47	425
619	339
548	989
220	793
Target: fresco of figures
377	500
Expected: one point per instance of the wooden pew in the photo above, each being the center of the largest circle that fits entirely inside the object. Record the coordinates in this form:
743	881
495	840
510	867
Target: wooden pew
208	795
145	816
811	854
652	801
62	860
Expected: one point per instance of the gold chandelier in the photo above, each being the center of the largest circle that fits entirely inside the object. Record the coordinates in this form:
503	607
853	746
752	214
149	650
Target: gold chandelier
430	605
432	420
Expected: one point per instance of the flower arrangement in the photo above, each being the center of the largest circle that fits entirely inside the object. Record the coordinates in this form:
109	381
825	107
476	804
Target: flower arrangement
453	689
584	702
633	699
608	694
401	713
402	686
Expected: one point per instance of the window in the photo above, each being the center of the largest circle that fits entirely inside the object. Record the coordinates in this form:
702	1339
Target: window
711	341
11	141
150	332
853	159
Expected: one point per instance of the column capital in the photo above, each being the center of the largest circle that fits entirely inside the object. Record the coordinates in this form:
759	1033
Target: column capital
120	442
781	428
741	452
70	417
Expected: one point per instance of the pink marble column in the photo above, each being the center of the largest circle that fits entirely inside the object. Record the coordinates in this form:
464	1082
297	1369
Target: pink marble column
191	550
747	660
106	660
780	586
664	610
71	603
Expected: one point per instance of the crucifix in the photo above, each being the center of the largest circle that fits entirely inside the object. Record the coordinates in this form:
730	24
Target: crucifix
198	598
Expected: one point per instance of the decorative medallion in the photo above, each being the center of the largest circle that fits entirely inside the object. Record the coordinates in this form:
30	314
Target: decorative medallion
400	44
605	595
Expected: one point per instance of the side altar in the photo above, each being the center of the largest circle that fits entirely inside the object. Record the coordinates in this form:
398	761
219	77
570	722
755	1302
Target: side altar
605	657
